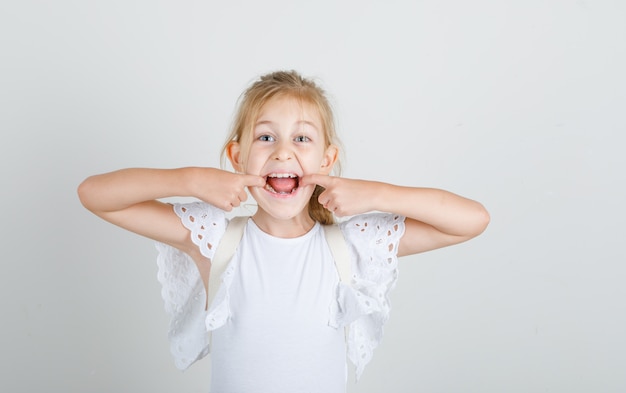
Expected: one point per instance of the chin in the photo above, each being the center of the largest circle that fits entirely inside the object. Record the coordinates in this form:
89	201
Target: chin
283	206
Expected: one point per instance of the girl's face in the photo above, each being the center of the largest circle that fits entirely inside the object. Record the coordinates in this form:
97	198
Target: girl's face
288	142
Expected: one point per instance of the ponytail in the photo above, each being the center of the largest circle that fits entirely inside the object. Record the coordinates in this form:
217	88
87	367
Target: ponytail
317	211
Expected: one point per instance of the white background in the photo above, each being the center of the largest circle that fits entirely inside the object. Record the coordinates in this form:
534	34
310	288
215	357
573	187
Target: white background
518	104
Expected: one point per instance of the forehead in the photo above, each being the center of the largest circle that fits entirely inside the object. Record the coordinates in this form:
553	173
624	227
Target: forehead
289	109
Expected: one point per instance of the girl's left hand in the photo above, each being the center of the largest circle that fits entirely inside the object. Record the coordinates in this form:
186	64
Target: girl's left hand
344	197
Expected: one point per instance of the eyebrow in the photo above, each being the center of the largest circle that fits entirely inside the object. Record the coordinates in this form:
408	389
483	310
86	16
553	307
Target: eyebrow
299	122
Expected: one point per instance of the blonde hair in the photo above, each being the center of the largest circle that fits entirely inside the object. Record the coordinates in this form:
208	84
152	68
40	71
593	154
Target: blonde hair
291	84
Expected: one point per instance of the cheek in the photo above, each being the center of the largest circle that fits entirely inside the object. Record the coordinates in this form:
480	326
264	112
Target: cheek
250	165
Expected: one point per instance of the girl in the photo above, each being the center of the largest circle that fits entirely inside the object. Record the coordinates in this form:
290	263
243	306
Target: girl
277	320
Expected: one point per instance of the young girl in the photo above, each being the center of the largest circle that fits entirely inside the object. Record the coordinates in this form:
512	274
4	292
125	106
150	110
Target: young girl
277	320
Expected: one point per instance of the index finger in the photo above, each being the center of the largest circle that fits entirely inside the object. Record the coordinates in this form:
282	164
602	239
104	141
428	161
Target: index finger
322	180
253	181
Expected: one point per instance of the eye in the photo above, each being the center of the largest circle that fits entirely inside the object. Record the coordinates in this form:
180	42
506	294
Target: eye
302	138
266	138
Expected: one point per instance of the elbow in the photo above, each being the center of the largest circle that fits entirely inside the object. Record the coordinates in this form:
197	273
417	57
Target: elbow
85	193
482	219
475	224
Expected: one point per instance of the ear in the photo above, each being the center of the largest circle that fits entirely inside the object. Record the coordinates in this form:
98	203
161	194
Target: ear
233	151
330	157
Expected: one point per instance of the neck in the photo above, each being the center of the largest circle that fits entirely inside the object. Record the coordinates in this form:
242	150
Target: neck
284	227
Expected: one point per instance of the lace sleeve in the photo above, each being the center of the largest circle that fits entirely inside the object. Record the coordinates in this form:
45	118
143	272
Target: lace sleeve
182	288
373	241
206	224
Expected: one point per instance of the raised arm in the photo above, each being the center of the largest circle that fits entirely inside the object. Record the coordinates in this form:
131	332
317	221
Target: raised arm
129	198
435	218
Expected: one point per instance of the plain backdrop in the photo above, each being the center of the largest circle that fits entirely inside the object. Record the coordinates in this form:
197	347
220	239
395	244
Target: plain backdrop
517	104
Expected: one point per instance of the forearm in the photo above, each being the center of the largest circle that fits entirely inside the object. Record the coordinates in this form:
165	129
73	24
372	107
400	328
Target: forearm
120	189
447	212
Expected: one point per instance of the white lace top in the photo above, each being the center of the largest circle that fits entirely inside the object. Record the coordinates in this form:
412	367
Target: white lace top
363	305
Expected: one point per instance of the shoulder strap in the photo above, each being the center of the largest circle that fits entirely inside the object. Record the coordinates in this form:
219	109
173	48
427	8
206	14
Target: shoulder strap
339	249
225	251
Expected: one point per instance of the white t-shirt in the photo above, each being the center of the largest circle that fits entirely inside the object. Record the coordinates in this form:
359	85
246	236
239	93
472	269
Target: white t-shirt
278	318
280	298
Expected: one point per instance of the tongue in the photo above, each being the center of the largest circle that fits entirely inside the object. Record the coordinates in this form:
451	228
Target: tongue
282	184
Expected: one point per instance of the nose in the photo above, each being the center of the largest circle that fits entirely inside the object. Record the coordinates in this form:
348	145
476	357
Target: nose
283	152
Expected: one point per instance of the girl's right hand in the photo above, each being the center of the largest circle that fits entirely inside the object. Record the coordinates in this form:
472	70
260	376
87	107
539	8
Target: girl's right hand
223	189
130	198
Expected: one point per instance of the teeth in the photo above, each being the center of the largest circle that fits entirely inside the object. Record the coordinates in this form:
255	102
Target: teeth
282	175
269	188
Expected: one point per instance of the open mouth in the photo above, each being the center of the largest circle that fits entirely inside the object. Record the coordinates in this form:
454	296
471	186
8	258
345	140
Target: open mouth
282	183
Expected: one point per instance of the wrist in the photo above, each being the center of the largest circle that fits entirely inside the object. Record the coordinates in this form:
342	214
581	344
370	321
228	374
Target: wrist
383	198
189	180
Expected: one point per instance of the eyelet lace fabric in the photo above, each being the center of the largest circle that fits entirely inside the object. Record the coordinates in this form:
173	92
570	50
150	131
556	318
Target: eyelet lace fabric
362	304
182	287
